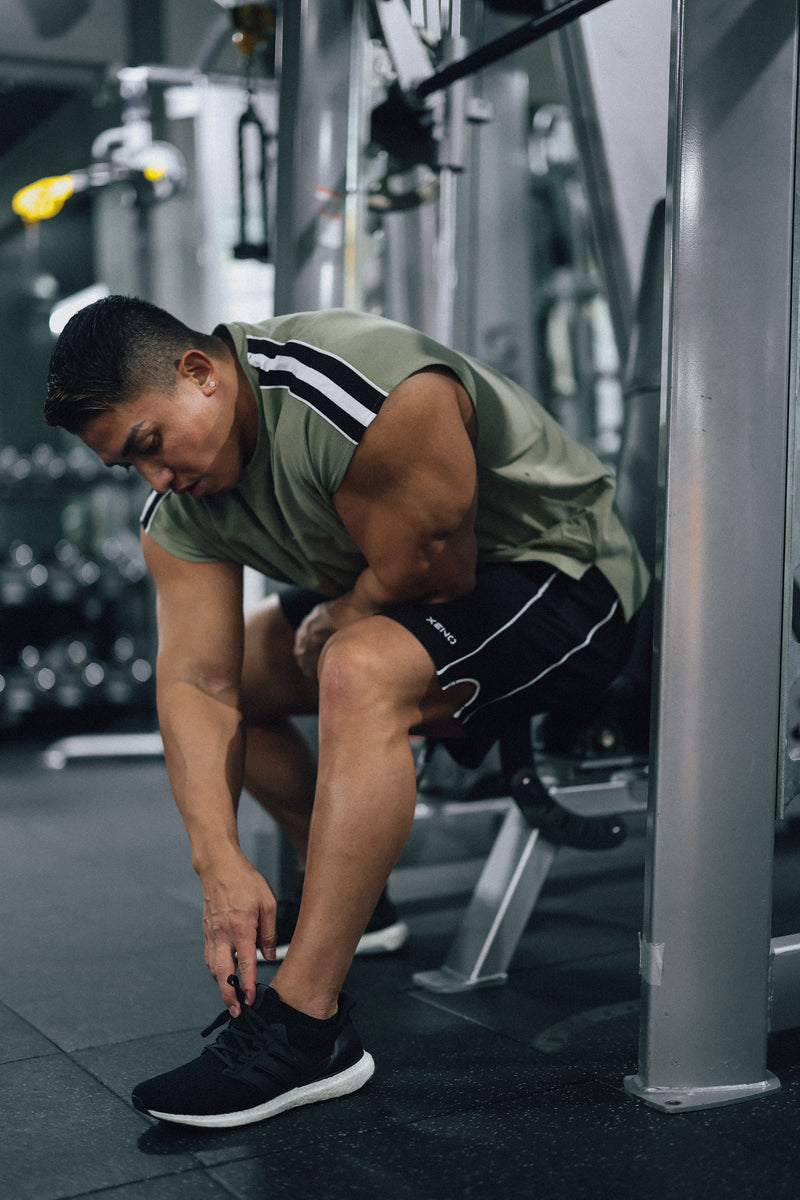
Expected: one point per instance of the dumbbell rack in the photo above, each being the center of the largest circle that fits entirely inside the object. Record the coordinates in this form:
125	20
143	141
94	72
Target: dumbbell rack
76	638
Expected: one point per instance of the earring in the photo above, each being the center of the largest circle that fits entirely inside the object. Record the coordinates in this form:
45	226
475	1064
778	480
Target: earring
212	383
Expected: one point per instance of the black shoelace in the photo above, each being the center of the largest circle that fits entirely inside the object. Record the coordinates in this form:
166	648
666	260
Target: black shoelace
241	1038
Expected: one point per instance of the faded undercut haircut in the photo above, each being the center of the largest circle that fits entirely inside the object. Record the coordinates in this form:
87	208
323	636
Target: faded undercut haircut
112	351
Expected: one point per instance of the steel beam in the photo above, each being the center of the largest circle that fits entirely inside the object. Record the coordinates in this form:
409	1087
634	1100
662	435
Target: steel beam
716	735
314	73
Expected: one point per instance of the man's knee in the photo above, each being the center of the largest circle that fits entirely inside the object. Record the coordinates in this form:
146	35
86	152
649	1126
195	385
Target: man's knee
350	663
377	666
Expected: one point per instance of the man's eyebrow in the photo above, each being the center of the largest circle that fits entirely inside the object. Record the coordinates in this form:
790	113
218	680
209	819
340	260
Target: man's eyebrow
130	439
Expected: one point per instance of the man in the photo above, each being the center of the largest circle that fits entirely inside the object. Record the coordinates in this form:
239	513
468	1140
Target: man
458	556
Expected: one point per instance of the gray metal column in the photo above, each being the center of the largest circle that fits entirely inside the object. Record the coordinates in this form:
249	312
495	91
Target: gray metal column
314	71
705	947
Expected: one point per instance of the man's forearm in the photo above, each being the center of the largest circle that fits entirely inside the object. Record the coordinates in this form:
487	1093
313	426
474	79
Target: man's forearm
204	752
371	594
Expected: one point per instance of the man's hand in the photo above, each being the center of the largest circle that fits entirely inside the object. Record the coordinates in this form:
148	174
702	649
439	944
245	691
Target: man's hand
311	636
321	624
238	914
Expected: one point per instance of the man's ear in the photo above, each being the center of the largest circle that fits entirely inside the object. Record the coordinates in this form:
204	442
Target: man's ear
197	366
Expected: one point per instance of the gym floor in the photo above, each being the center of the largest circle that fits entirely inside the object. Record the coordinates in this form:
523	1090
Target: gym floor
513	1091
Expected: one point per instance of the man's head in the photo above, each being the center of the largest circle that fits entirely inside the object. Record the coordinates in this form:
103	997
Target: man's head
141	389
110	353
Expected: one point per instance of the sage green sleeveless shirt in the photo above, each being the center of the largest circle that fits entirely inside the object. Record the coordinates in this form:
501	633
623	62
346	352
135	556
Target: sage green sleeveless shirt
319	380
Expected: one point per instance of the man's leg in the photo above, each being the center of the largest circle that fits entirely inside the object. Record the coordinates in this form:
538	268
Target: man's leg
377	683
280	768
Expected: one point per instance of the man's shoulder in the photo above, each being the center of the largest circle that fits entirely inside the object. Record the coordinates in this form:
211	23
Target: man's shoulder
190	529
352	350
321	326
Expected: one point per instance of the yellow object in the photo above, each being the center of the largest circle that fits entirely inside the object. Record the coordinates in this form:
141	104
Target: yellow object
44	198
254	24
153	171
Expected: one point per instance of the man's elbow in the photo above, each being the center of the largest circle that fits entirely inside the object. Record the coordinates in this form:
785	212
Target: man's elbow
453	576
461	584
182	677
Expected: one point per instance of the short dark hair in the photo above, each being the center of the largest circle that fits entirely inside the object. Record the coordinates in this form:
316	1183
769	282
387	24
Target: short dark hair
109	353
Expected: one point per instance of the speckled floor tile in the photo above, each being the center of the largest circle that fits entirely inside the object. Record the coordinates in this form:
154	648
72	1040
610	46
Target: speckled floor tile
64	1134
513	1091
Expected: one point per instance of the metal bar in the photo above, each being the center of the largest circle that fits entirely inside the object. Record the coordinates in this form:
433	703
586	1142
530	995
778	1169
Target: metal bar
789	765
516	39
314	74
603	208
716	731
52	73
512	879
102	745
504	898
784	990
89	77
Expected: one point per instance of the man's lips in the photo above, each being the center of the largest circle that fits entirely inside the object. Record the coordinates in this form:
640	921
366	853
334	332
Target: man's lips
194	489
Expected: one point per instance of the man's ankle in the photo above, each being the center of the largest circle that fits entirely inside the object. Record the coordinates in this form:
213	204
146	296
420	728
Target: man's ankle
317	1007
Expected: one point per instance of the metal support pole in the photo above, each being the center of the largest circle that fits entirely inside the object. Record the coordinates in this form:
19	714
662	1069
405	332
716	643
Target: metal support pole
504	898
706	942
314	71
452	156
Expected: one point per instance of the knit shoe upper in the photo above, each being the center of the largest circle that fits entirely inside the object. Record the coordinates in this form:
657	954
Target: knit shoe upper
268	1059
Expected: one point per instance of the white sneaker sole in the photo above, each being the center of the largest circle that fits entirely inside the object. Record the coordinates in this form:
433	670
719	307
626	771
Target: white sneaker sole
349	1080
380	941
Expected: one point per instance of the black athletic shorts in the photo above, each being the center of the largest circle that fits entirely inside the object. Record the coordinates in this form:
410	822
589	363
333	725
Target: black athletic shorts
528	637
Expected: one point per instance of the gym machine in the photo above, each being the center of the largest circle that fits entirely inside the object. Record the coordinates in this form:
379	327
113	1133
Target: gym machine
724	747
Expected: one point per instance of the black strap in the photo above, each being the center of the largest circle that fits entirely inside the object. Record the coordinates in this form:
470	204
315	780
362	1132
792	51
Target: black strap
245	248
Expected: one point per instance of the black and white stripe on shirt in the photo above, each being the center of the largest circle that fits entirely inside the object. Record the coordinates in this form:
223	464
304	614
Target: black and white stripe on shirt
151	508
340	394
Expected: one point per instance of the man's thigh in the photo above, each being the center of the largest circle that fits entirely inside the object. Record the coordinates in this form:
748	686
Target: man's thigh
526	638
393	664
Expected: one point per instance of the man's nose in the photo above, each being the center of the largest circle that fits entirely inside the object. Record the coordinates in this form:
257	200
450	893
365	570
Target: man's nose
159	476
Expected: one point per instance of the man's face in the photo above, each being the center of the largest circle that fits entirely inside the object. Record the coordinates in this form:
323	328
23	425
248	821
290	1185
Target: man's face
183	442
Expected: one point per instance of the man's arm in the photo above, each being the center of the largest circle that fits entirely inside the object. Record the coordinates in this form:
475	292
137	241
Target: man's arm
408	499
200	629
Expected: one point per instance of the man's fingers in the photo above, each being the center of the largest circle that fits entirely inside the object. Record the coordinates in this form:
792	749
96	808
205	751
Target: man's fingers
267	936
247	972
228	964
228	954
239	914
312	634
222	965
268	947
223	962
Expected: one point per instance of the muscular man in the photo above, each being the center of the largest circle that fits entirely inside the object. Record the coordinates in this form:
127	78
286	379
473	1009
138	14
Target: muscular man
454	555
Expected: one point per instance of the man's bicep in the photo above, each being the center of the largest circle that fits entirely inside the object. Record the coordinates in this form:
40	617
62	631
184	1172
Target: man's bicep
408	498
415	464
199	610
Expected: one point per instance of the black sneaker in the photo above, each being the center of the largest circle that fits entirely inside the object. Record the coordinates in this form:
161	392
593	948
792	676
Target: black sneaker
384	933
269	1059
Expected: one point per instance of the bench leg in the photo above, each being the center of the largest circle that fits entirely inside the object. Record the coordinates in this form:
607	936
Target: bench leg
501	905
